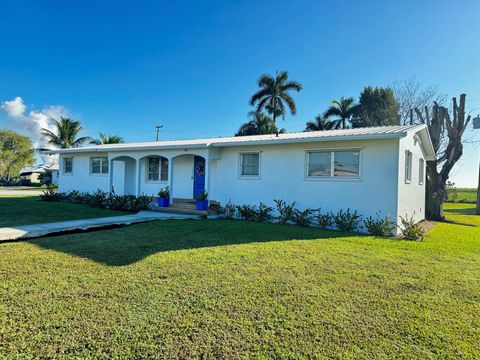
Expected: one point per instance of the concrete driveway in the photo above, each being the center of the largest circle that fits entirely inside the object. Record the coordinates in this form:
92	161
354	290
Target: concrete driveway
20	191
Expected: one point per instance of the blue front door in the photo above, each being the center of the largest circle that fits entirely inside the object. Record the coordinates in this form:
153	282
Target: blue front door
198	175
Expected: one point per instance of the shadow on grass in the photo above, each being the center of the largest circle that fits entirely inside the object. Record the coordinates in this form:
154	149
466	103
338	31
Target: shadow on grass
127	245
461	211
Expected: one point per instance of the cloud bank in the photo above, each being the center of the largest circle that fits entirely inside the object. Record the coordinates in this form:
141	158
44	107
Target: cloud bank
33	122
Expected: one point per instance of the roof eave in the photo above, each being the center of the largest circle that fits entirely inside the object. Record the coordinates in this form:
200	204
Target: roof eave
99	149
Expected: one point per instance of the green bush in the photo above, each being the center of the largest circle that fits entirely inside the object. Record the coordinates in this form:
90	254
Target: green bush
380	226
263	212
411	230
285	211
347	221
303	218
246	212
51	194
324	221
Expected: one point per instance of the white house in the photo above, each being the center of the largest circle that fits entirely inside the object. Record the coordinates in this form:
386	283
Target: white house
367	169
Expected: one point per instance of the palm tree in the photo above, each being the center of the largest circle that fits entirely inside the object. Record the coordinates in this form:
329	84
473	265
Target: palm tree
66	133
320	123
274	94
107	139
343	109
259	124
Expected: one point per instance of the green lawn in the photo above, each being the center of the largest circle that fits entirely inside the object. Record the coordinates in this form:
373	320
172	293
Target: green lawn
230	289
26	210
463	195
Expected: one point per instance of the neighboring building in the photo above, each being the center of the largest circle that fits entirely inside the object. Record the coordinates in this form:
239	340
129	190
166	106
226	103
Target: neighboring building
43	174
368	169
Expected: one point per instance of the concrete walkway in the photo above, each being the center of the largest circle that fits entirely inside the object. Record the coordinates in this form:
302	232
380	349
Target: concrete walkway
20	191
37	230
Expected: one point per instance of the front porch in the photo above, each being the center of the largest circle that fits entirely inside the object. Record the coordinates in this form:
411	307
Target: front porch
186	174
187	206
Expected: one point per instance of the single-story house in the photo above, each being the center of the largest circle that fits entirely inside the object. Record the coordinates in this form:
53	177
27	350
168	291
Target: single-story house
367	169
40	174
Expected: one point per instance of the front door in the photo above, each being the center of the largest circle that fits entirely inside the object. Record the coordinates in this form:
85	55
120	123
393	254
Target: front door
198	176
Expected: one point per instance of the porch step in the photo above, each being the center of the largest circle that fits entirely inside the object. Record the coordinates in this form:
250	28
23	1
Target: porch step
183	201
181	210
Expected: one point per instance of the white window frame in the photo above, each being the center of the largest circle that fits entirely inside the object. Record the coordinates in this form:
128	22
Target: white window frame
332	177
408	166
240	167
63	166
102	159
147	166
421	171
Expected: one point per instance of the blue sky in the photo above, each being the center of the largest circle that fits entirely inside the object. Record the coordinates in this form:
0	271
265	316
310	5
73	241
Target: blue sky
121	67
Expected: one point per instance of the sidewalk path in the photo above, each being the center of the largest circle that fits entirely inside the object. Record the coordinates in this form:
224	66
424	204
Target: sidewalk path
37	230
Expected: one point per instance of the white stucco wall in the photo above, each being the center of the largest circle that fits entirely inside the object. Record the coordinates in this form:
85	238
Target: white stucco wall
381	186
411	196
283	176
80	178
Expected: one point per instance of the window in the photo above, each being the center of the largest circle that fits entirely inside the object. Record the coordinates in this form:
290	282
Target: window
327	164
250	164
157	169
99	165
421	171
67	165
408	167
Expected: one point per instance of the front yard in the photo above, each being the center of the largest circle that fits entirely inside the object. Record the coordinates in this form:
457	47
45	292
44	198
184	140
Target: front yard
27	210
218	288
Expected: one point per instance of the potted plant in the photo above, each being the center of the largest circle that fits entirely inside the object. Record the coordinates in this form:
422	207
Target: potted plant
163	199
201	202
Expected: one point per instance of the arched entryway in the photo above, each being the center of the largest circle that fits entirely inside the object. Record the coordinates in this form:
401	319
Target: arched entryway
189	176
122	175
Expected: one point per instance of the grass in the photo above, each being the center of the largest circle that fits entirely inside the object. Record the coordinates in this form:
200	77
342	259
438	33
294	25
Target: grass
26	210
235	289
462	195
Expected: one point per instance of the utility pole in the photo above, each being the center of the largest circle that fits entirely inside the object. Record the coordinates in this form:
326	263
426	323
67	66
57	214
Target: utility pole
476	125
158	127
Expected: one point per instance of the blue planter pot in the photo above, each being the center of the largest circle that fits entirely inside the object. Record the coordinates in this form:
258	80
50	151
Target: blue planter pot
163	202
201	205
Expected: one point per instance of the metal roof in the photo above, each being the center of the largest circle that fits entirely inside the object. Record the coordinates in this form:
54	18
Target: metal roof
380	132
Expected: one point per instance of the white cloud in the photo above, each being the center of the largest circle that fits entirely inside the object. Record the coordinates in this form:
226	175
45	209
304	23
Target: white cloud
15	108
35	121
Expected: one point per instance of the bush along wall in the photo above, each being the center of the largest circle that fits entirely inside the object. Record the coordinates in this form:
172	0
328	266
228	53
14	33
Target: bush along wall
100	199
343	220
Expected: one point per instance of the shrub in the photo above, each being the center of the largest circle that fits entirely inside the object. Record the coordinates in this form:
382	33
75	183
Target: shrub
202	196
411	230
347	221
228	210
164	193
75	196
380	226
264	213
246	212
142	202
51	194
98	199
324	221
285	211
303	218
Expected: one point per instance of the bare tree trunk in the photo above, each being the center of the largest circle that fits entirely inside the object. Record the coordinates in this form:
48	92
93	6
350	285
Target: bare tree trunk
437	177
